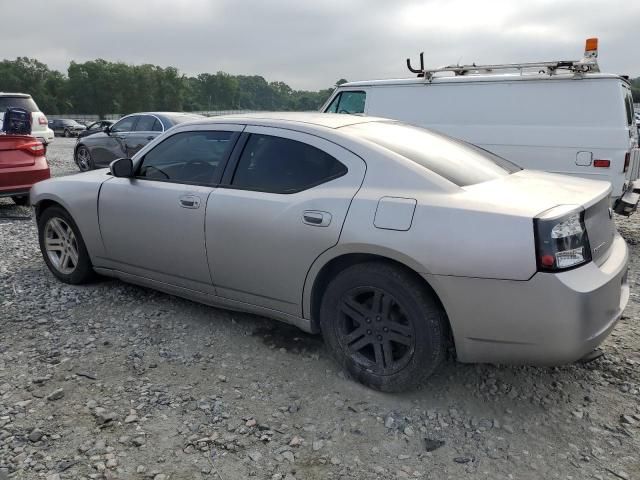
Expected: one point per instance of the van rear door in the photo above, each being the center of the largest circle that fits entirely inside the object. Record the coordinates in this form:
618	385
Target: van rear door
633	168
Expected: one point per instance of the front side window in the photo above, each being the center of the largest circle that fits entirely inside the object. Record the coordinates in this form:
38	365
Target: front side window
280	165
188	157
124	125
348	102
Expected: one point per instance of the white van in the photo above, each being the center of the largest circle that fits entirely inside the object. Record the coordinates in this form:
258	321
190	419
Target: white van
563	117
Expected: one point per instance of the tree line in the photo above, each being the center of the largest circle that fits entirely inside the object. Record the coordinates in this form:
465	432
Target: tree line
102	87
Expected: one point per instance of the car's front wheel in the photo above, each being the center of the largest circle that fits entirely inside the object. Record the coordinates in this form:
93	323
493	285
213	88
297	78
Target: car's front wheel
67	133
383	326
62	247
83	159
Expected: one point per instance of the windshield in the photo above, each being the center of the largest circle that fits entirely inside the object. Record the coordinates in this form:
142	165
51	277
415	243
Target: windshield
459	162
26	103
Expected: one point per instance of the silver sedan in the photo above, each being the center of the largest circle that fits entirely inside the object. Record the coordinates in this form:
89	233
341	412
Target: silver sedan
394	242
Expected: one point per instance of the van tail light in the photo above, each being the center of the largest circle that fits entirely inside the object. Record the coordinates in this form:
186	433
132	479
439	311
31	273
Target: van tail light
42	120
602	163
627	161
561	238
33	148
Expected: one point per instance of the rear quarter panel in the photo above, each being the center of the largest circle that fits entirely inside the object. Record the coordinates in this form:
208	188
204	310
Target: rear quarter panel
78	194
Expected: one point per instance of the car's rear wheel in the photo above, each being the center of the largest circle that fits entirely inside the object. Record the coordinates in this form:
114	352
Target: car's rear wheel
83	159
20	199
383	326
62	247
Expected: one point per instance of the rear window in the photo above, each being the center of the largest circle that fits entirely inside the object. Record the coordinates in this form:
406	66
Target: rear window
459	162
26	103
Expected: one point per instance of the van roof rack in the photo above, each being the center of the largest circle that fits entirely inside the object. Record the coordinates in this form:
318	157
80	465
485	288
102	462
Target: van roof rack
589	63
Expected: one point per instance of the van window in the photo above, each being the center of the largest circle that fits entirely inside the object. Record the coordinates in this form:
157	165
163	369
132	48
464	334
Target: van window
348	101
628	101
459	162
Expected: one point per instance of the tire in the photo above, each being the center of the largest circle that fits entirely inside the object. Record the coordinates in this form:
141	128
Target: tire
67	134
22	200
83	159
407	325
54	225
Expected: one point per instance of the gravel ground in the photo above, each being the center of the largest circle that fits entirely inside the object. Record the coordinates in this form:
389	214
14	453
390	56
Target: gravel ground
111	380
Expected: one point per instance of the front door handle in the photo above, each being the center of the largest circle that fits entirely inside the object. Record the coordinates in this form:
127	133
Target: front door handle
190	201
316	218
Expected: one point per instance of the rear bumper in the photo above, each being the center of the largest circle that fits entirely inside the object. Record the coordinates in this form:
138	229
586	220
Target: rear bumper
549	319
628	203
19	180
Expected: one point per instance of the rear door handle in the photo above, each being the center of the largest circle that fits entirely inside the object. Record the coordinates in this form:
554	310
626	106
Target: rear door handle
189	201
316	218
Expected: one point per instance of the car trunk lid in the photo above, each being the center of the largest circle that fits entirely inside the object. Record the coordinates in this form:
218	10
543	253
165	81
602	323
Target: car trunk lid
530	193
19	151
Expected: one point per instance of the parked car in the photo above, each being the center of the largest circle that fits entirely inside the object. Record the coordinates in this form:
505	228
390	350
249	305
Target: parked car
562	117
125	137
389	239
39	127
22	163
96	127
66	127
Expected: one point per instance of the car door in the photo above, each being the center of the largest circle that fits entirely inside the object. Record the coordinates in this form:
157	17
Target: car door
152	225
284	201
106	148
146	129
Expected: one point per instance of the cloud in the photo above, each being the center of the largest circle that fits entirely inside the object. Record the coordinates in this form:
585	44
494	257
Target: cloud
312	44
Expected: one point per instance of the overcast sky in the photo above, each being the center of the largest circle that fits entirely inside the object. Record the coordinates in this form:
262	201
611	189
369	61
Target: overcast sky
311	44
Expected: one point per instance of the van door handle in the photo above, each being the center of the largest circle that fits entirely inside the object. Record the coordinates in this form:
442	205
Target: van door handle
316	218
189	201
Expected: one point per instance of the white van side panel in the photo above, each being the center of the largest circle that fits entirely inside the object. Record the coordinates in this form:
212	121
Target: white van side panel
539	124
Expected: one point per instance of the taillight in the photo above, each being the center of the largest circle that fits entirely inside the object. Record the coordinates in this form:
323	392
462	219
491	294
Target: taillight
627	161
601	163
43	120
562	242
33	148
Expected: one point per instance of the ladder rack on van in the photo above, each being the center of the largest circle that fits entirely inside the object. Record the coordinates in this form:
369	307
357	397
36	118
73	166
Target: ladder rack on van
588	64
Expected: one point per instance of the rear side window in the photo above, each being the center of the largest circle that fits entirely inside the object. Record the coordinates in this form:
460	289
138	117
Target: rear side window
459	162
188	157
280	165
145	123
26	103
348	102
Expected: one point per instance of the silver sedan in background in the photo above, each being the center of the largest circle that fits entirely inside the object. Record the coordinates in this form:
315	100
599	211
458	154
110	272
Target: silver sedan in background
392	241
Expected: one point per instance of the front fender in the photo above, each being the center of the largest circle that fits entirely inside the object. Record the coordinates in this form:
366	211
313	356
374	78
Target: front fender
78	195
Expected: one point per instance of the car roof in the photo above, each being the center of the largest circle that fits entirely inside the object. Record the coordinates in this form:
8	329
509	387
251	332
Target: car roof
505	77
327	120
21	95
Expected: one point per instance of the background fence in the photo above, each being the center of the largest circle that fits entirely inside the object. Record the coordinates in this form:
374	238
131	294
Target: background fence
83	117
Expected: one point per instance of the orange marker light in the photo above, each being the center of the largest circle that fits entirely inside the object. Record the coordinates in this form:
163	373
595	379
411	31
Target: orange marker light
592	45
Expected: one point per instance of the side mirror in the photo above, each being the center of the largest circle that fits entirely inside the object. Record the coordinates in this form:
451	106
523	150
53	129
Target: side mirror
107	129
122	167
